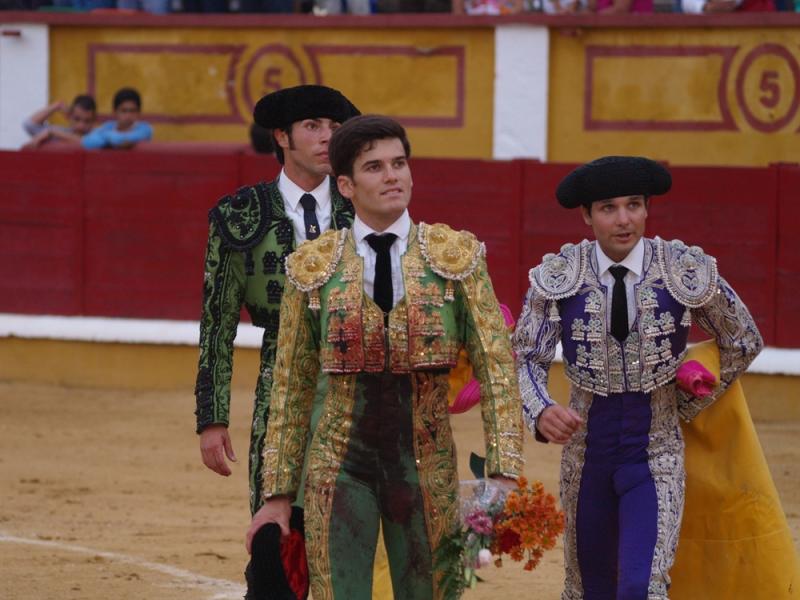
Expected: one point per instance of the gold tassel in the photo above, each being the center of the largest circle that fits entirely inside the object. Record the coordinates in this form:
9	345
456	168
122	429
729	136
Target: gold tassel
313	300
449	294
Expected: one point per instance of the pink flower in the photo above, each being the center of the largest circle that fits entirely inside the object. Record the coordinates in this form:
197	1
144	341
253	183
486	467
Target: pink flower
479	522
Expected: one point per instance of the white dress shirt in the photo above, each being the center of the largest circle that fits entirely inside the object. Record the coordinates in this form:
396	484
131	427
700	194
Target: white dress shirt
634	262
401	228
292	193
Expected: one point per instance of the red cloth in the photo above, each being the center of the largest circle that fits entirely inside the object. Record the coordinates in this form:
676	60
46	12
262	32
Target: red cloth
295	566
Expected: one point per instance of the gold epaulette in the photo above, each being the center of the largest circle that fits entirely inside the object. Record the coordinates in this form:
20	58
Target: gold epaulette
314	262
452	254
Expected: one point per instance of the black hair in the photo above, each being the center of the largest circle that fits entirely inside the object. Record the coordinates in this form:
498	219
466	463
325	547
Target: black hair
261	139
125	95
86	102
358	135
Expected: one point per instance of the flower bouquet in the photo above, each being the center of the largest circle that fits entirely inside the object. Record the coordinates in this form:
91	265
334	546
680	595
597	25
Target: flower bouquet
521	523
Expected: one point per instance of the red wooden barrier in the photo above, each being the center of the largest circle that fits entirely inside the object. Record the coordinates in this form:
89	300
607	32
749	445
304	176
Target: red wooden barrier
732	215
787	296
146	227
41	232
123	233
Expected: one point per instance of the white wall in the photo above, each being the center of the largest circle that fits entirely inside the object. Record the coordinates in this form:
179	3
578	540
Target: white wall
520	94
24	79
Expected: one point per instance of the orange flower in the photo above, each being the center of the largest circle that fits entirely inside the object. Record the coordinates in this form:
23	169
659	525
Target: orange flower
528	525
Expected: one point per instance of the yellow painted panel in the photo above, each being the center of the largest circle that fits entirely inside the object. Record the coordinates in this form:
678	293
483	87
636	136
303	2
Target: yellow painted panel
201	84
635	88
434	96
691	97
189	82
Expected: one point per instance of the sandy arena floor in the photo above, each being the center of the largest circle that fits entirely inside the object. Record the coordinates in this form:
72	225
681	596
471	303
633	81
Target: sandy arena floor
103	495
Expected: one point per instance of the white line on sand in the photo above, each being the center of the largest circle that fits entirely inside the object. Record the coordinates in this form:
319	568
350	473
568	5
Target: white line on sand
219	589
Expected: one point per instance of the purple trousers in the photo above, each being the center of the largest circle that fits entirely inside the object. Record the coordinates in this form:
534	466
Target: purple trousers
617	511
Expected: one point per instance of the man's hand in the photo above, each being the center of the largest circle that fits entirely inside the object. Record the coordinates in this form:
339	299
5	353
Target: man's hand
557	423
508	483
275	510
215	445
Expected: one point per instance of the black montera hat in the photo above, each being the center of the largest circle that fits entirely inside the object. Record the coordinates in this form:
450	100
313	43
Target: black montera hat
278	568
610	177
280	109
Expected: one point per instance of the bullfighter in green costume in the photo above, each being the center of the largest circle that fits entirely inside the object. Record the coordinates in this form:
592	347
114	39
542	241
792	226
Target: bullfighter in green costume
383	309
251	233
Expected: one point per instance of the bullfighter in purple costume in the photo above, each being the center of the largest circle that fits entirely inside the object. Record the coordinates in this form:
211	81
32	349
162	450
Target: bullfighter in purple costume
622	469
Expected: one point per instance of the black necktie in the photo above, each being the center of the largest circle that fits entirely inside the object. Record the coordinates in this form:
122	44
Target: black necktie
383	269
619	304
310	216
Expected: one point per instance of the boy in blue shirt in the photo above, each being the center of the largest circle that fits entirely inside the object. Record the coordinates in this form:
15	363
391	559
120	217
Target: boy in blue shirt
125	131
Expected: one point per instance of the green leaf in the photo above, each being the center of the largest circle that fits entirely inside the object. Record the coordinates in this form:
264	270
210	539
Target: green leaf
477	464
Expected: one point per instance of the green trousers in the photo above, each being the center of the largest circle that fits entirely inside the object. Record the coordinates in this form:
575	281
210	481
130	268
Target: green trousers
370	469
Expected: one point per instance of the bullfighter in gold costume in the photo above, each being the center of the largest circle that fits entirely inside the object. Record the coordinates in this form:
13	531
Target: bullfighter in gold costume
384	309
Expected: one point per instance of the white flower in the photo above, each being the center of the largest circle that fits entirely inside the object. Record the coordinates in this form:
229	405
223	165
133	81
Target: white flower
484	557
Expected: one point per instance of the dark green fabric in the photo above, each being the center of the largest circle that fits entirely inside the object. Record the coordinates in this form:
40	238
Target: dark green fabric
249	238
379	483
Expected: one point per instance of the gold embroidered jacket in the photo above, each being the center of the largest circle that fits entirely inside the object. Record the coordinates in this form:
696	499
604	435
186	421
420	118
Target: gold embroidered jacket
327	320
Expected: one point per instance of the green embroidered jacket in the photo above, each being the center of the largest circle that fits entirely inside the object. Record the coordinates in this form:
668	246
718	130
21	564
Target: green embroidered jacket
249	238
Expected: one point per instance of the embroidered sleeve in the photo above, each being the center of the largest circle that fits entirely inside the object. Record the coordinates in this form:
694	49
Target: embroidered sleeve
223	292
489	350
727	320
535	339
293	388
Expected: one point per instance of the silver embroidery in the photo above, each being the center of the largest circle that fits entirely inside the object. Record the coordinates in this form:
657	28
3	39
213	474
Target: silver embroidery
594	302
647	297
578	329
561	275
689	274
665	459
535	340
727	320
571	469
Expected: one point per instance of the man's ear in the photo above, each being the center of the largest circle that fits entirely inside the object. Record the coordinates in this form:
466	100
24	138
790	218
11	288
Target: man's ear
281	138
345	185
587	216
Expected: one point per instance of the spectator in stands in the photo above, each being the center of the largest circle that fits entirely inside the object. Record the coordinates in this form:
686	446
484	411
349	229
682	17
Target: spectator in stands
723	6
410	6
126	130
81	115
353	7
564	7
488	7
613	7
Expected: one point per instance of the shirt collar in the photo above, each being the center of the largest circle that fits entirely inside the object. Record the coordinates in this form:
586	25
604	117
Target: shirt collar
292	192
401	228
634	262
